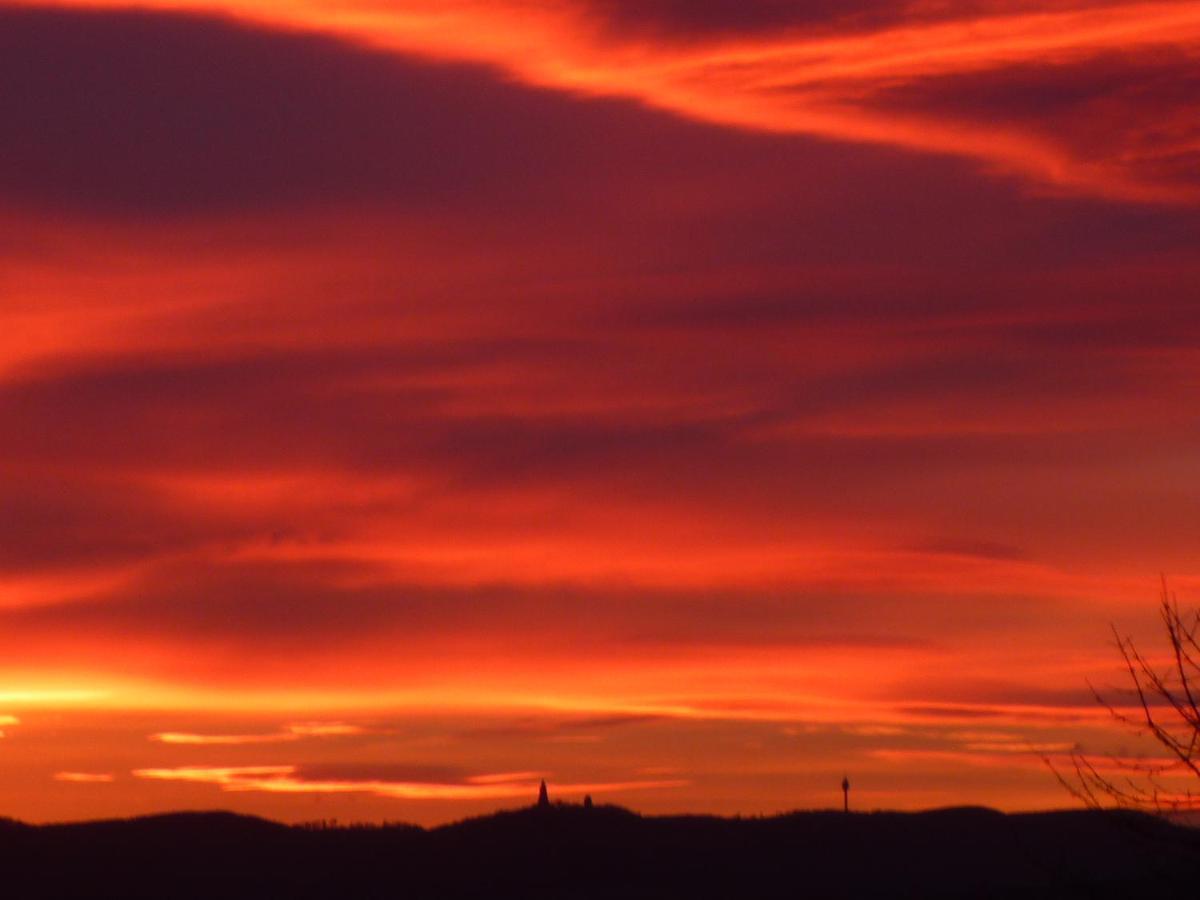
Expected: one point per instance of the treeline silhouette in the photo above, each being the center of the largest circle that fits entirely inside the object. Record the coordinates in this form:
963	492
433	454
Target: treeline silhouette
563	851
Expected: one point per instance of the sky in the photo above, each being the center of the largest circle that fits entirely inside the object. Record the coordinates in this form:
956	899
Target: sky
687	403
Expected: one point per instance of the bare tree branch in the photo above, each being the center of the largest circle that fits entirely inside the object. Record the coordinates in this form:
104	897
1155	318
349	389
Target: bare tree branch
1167	709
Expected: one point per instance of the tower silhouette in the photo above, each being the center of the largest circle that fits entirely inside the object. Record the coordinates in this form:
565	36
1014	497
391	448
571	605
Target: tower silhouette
845	793
543	795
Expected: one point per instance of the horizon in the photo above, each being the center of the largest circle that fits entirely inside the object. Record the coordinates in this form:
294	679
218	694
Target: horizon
689	404
537	808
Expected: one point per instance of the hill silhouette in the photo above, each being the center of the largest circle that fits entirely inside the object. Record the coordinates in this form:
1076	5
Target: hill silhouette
605	851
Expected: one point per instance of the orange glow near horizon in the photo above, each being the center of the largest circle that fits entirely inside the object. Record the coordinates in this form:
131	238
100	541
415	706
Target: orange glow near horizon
685	403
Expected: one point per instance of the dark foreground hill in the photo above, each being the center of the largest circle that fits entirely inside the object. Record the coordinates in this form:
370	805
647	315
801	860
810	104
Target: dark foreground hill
570	852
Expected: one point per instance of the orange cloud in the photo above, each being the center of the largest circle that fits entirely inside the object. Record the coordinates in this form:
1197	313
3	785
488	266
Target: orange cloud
285	780
202	740
295	732
85	777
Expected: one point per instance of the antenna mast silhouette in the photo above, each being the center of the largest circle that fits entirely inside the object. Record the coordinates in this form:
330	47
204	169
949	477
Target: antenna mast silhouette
543	795
845	793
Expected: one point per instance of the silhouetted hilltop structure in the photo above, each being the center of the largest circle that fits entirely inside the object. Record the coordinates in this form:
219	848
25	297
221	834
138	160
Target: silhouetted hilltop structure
543	795
569	851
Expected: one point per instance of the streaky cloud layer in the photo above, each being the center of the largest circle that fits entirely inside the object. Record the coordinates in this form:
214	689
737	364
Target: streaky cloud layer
288	780
403	402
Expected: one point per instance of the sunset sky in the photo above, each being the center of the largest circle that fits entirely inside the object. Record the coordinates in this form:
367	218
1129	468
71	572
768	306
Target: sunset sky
687	402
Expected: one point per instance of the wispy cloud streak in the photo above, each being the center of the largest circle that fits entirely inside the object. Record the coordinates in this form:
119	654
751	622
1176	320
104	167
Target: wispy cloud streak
290	780
294	732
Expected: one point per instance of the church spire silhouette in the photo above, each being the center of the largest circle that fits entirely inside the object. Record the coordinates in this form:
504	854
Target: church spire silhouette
543	795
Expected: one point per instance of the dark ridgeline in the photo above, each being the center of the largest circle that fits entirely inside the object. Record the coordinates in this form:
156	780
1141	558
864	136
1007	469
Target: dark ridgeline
568	851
